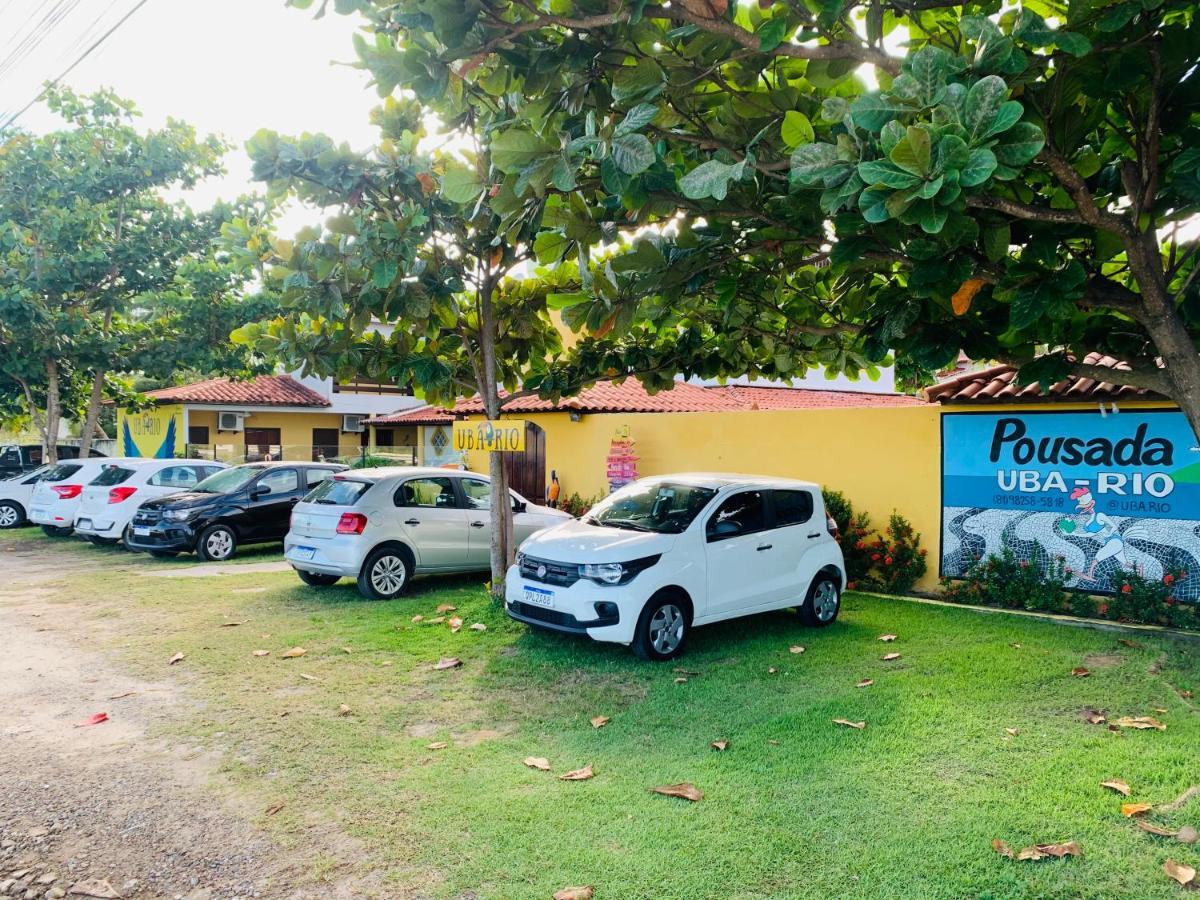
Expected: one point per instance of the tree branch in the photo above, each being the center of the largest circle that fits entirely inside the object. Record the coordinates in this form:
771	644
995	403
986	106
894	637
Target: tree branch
1074	184
1019	210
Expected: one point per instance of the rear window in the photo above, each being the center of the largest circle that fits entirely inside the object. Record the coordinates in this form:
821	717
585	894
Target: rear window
111	475
792	507
61	473
336	492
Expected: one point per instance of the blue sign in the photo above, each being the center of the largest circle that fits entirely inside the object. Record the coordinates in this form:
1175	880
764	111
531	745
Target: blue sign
1105	493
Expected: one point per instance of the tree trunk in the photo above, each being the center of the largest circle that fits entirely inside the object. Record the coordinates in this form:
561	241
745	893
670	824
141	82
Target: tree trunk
92	418
53	413
502	550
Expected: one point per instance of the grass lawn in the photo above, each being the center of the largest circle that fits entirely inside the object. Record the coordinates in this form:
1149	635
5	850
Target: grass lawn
795	807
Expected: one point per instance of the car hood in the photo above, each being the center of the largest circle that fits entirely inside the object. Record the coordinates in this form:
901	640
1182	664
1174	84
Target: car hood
574	541
547	511
184	498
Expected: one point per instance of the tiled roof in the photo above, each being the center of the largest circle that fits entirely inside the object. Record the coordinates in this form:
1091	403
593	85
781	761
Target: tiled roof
266	390
999	385
631	396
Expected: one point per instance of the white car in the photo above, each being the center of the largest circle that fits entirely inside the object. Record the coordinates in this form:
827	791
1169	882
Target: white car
55	498
665	554
15	493
109	501
382	526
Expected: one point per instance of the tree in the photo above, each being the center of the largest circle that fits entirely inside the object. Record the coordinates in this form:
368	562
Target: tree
87	244
1010	188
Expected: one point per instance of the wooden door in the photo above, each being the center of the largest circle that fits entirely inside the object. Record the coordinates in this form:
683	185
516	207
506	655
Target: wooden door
262	443
527	470
325	443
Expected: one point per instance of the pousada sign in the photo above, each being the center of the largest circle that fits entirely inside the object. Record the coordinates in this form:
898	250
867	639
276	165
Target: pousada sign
504	435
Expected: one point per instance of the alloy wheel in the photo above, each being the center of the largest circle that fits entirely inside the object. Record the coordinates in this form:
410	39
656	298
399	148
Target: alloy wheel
825	601
666	628
8	516
388	575
219	544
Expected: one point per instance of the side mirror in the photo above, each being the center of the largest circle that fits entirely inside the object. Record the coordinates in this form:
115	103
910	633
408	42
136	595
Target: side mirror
260	490
726	529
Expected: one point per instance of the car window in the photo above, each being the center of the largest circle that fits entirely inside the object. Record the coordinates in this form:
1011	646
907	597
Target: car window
175	476
313	477
792	507
111	475
61	472
430	492
280	481
743	513
36	475
337	492
478	493
226	481
203	472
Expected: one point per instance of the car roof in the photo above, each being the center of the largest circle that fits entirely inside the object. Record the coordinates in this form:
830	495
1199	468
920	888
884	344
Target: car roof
720	480
379	473
291	464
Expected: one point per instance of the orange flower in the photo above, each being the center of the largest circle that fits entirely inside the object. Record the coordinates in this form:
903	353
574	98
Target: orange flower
887	560
874	557
1168	578
1126	589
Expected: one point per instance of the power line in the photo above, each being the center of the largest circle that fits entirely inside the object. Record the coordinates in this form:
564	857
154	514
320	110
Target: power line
67	71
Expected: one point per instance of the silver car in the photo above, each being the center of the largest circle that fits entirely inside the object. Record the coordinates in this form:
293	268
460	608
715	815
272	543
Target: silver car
382	526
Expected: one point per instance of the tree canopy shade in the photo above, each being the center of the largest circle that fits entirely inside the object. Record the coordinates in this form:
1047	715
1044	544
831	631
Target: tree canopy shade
99	274
1016	185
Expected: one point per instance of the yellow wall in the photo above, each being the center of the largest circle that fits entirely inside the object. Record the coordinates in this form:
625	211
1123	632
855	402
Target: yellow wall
154	432
295	431
881	458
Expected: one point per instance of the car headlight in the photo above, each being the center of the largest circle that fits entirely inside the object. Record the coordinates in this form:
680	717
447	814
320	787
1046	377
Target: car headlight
178	515
617	573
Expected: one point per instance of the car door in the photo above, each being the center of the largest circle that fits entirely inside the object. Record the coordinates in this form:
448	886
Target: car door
171	480
477	498
433	522
271	500
739	555
795	532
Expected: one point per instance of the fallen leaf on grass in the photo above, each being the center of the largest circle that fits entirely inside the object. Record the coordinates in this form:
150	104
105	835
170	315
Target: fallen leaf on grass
719	745
683	791
1185	875
309	677
294	653
772	670
888	657
1135	809
448	662
1119	786
584	892
230	624
1140	722
849	724
122	696
538	762
418	618
1126	642
436	620
1156	829
600	721
343	710
1080	672
1093	716
866	682
578	774
1187	835
347	650
1038	851
1186	695
773	743
887	638
679	671
479	626
437	745
174	659
447	607
1013	731
1158	709
455	624
95	719
274	808
262	653
681	680
795	649
1015	646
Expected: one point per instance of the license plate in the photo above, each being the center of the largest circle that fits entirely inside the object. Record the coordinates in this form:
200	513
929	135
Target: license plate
304	552
538	596
141	532
84	523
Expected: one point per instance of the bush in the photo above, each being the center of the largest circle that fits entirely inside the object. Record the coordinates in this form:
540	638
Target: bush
897	557
1151	601
576	505
854	532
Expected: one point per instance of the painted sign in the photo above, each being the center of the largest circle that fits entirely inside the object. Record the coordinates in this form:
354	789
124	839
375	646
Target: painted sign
151	432
1105	493
499	434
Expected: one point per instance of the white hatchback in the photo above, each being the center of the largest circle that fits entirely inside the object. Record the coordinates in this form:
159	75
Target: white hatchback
15	493
382	526
55	498
109	501
665	554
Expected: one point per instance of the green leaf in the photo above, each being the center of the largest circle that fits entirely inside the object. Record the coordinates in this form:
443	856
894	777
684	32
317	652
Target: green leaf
873	111
812	162
1029	304
878	171
1021	144
912	154
1009	113
636	119
633	153
514	149
953	153
929	67
834	109
979	168
460	185
549	247
929	189
982	104
711	179
772	33
643	81
384	273
996	240
566	301
932	217
1073	43
873	204
892	134
796	129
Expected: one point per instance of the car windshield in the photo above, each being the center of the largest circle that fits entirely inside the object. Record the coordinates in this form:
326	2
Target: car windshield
337	492
61	472
111	475
228	480
660	506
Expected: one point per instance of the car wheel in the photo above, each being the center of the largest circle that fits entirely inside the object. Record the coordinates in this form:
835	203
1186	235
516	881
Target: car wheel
11	515
823	603
318	579
385	574
164	554
662	628
217	543
56	531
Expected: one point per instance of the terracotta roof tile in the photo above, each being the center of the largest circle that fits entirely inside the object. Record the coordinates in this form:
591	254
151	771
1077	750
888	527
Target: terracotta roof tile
266	390
762	397
998	384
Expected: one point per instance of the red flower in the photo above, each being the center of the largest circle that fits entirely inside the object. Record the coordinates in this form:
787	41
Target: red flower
922	551
874	557
887	560
1126	589
850	585
1102	609
1024	564
1168	578
861	545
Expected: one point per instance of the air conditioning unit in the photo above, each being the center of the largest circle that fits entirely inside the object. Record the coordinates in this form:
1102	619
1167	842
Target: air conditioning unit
230	421
353	424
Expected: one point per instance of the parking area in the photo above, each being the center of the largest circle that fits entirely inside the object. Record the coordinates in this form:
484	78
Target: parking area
308	742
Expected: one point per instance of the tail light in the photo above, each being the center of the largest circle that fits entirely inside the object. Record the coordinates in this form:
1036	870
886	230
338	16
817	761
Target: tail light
67	491
351	523
120	494
831	525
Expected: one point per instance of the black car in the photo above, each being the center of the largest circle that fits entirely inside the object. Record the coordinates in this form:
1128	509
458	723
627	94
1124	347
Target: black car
249	504
18	458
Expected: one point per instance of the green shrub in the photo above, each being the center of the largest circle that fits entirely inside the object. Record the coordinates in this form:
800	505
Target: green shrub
577	505
1150	601
854	532
897	557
